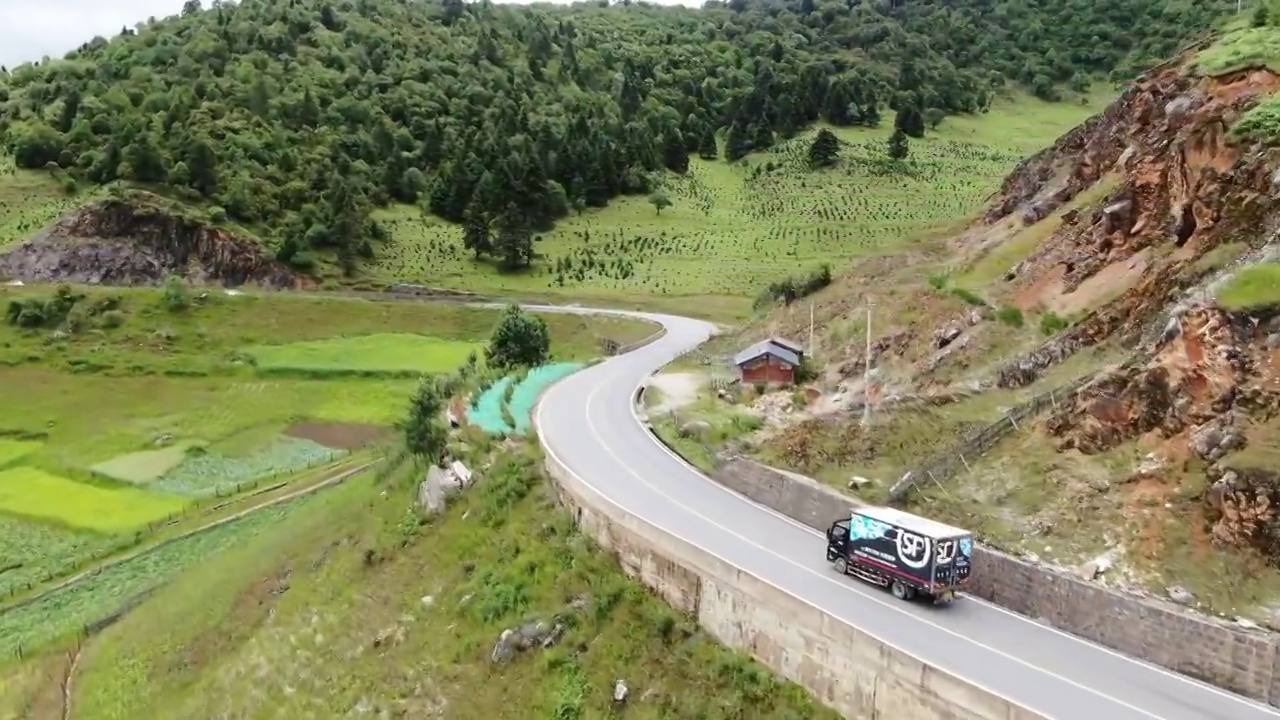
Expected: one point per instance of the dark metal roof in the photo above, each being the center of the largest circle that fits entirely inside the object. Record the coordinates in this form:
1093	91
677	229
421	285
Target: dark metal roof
766	347
794	347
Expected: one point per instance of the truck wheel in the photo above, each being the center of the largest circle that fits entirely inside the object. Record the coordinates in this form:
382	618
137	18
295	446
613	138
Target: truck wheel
842	566
900	591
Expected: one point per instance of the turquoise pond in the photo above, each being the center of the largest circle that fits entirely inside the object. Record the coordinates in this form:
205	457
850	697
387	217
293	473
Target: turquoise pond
486	412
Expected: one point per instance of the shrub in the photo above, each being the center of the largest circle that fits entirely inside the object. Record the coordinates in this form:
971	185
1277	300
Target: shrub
938	282
968	296
1052	323
1010	316
111	319
805	371
176	296
790	289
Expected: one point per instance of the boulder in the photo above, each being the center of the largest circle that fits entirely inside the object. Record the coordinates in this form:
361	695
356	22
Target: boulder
1179	106
945	335
1180	595
697	429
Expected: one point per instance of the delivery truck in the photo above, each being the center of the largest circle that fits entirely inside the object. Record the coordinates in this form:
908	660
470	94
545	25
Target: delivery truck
906	553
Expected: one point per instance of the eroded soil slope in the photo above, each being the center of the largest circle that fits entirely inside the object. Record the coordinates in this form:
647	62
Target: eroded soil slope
119	241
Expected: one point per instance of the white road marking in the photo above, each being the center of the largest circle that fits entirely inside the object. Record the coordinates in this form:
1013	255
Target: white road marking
1023	618
551	451
826	578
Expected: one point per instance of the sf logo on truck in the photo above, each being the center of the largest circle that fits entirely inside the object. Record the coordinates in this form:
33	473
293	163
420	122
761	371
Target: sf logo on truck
946	551
913	549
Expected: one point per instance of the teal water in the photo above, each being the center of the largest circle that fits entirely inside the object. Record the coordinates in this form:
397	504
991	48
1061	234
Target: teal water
486	412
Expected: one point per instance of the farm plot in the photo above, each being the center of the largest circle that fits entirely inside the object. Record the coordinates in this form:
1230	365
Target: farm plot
212	473
32	552
29	201
144	466
390	353
87	421
65	612
340	436
734	227
33	493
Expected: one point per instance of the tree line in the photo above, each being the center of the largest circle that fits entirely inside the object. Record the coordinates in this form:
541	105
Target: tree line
297	117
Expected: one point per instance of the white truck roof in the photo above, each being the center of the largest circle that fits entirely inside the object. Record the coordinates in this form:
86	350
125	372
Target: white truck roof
907	521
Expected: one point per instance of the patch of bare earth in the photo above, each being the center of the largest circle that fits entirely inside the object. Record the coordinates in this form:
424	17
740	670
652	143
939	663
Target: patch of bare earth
339	436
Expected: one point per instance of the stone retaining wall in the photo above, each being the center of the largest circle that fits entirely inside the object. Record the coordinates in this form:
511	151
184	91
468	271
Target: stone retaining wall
843	667
1237	659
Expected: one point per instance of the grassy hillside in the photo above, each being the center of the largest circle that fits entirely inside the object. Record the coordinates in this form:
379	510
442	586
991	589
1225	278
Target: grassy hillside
732	229
980	344
135	417
297	119
355	606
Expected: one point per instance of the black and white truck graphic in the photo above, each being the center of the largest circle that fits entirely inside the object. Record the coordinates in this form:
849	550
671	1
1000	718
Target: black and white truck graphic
906	553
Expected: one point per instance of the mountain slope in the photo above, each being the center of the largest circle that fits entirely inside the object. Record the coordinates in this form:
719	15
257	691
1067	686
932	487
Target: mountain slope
296	117
1089	368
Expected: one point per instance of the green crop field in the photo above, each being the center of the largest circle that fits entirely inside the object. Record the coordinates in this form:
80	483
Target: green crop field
733	228
29	201
166	400
64	612
209	473
15	451
34	493
144	466
89	423
381	353
206	338
30	552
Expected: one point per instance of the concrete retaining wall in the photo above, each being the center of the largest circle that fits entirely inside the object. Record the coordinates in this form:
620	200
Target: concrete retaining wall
1230	657
844	668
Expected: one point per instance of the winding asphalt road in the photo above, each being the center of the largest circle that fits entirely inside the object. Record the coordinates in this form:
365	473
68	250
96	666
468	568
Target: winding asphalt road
588	422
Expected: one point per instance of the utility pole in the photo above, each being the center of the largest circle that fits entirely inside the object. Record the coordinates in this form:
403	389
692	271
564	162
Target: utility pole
866	374
810	349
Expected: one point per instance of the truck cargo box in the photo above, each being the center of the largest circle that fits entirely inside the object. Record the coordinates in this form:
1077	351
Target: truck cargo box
892	547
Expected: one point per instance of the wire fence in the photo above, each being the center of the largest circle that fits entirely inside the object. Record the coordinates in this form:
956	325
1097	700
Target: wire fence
959	457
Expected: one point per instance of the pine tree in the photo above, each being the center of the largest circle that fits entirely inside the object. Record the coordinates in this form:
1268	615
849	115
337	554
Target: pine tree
824	150
910	121
737	143
898	146
707	148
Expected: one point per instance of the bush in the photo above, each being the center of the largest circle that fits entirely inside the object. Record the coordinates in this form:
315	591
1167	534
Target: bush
176	296
111	319
969	296
1052	323
790	289
938	282
1010	316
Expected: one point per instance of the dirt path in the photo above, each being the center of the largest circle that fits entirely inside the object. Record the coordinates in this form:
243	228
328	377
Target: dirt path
678	390
67	680
338	475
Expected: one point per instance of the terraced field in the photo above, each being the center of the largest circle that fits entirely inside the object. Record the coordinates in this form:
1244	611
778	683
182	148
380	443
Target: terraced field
30	200
733	228
117	438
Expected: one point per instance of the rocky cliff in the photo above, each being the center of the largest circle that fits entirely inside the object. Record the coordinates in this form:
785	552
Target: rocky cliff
1189	204
130	241
1182	189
